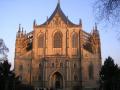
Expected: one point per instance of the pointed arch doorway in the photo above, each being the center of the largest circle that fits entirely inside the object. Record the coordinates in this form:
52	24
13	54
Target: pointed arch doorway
56	81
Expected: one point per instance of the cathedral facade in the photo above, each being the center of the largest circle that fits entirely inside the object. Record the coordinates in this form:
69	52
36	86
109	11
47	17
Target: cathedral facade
58	54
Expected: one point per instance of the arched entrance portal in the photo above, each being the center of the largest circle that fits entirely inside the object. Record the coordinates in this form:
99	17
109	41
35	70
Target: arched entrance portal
57	81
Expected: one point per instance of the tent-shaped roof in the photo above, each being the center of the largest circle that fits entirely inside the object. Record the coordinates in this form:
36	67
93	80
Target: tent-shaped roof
62	15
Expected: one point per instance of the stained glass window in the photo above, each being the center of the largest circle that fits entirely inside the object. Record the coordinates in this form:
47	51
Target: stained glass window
41	41
58	40
74	40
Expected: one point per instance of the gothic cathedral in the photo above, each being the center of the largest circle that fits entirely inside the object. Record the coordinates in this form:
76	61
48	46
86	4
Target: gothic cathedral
58	54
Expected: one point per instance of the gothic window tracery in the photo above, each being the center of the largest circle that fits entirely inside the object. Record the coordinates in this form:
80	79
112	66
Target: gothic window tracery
74	40
41	41
58	40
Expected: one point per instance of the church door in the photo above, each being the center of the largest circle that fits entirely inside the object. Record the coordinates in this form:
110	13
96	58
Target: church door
57	81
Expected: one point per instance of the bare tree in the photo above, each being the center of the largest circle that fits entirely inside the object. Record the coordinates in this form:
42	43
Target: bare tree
3	50
108	10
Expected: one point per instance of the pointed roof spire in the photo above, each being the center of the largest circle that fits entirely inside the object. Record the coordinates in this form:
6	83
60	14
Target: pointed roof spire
34	23
95	26
19	28
95	30
59	11
22	31
58	1
80	22
58	5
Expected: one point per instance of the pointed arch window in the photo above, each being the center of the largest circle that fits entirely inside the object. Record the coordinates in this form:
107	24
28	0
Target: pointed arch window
74	40
91	71
58	40
41	41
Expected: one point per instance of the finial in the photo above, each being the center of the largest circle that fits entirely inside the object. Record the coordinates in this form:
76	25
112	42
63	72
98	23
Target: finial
95	30
19	28
34	23
58	1
95	26
22	32
80	22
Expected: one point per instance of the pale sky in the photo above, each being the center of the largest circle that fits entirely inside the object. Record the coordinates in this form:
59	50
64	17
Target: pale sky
15	12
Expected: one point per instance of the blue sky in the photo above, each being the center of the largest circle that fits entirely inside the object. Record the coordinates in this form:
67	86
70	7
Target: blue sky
15	12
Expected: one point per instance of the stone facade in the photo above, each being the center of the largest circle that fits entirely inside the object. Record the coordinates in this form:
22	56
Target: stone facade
58	54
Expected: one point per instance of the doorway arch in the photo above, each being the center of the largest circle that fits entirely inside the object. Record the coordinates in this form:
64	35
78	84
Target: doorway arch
57	81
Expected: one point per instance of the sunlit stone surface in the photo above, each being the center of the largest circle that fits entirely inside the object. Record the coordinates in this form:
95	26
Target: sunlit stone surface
58	54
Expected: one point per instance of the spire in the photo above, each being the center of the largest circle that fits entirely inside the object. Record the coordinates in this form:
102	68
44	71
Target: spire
80	22
19	31
59	11
95	30
95	26
59	2
34	23
19	28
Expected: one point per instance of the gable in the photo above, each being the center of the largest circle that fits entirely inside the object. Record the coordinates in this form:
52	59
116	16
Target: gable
58	16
